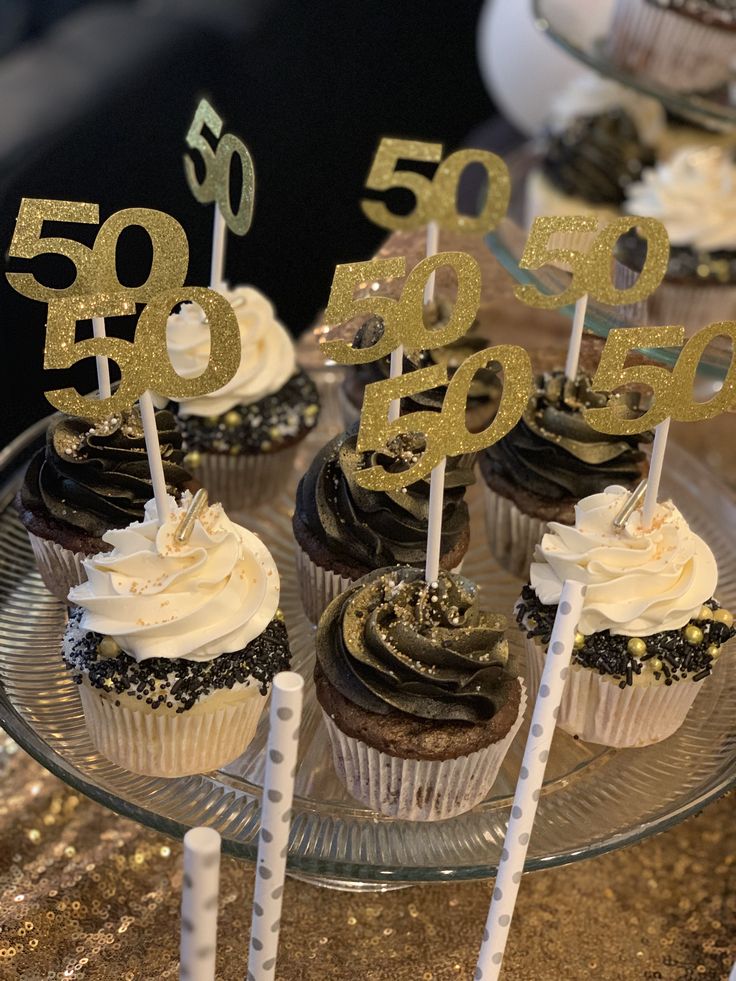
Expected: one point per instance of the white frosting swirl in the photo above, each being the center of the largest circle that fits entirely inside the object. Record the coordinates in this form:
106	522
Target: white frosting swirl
591	95
639	582
693	194
157	597
267	360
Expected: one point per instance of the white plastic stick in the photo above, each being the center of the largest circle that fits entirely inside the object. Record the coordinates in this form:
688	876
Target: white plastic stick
434	528
661	432
217	263
433	244
396	368
576	337
153	452
531	777
200	893
103	367
273	845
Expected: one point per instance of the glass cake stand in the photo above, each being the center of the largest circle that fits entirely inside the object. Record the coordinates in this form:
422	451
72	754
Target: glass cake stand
594	799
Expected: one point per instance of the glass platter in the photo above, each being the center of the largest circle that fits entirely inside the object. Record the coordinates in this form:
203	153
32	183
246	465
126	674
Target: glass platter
560	19
594	799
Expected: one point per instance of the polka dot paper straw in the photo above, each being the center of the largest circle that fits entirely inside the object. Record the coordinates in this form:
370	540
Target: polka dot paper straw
200	891
278	792
529	785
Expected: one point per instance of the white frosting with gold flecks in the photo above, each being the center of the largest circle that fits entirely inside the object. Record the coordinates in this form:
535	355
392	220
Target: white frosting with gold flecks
639	582
157	597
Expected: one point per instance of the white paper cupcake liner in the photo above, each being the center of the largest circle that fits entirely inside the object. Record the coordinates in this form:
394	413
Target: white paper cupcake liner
166	745
317	586
245	481
543	198
676	50
596	710
512	535
417	790
694	306
60	568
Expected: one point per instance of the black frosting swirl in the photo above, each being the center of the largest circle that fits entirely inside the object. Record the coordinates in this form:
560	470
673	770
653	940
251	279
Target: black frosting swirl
95	476
597	157
376	528
555	454
393	642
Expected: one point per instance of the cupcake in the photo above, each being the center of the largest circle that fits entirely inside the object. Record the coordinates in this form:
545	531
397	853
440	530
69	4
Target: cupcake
88	479
650	631
547	462
686	45
416	691
174	644
344	531
241	439
485	390
692	194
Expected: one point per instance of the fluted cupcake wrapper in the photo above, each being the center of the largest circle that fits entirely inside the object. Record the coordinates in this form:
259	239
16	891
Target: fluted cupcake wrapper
417	790
165	745
677	50
59	567
512	535
596	710
695	306
247	480
317	586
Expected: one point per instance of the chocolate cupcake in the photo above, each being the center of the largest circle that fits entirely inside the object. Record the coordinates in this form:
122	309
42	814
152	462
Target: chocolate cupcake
549	460
88	479
242	439
485	390
416	691
344	531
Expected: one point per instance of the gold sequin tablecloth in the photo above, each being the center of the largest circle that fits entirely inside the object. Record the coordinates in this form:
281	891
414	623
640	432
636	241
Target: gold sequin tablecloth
85	894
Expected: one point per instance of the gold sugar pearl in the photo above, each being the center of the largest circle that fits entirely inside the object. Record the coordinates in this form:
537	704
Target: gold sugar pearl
579	640
693	635
193	459
705	613
233	419
636	646
723	616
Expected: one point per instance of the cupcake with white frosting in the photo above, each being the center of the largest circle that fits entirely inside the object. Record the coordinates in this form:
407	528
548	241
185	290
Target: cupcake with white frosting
174	644
650	631
694	195
241	439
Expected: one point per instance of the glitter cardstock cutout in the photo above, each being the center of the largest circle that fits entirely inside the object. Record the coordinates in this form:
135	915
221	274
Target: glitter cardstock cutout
435	199
215	185
592	270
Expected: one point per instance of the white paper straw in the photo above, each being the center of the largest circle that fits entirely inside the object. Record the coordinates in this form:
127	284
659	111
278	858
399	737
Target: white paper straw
217	263
153	452
199	897
732	975
434	527
103	366
395	370
529	785
576	337
433	244
661	432
273	845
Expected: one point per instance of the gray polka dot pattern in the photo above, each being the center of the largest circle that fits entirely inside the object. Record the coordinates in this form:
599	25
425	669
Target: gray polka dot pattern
284	714
497	894
266	835
277	893
544	756
524	838
275	796
565	608
256	944
497	958
275	927
264	872
504	919
486	934
524	773
558	647
537	730
267	965
516	811
504	855
258	910
544	691
564	673
478	974
275	756
516	877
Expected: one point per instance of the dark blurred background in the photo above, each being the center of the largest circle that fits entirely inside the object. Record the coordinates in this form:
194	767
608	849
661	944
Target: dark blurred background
96	99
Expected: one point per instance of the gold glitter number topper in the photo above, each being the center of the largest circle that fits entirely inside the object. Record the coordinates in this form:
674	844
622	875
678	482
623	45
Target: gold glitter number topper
95	268
403	319
445	433
672	391
144	363
591	271
215	186
435	199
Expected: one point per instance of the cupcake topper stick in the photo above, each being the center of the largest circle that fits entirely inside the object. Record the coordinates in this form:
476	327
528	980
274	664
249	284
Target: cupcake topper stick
200	888
153	452
103	368
576	337
273	843
656	463
529	784
215	185
434	526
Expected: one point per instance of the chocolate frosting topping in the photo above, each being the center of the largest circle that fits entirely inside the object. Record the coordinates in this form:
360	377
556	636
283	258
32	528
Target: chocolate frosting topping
392	642
555	454
596	157
375	527
95	476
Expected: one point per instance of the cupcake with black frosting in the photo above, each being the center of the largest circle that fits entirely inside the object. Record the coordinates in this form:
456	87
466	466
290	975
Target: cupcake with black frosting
241	440
418	698
650	632
485	389
343	531
90	478
174	643
548	461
